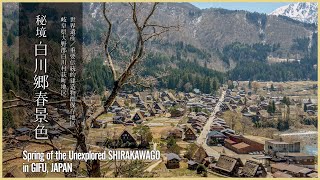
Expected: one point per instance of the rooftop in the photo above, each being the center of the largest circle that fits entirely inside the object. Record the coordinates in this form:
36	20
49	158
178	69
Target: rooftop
241	145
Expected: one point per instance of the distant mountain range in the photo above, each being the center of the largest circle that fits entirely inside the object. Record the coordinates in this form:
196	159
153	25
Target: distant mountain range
305	12
233	42
209	31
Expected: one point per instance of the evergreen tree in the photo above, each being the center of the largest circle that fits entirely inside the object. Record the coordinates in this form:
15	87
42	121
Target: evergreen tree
7	120
10	39
273	107
272	87
304	107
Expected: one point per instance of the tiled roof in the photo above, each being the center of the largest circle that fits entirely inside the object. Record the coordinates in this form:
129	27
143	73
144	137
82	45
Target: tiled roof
250	168
171	156
241	145
226	163
16	172
280	174
229	141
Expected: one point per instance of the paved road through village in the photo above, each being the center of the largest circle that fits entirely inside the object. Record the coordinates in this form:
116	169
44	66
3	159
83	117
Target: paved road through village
202	137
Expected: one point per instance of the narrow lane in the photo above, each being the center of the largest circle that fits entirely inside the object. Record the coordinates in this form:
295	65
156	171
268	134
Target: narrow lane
203	136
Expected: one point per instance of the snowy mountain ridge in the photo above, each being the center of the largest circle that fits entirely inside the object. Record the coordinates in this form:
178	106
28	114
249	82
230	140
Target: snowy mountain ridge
305	12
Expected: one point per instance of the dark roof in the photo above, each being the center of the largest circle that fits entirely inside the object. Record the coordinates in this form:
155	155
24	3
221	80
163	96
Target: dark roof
191	128
250	168
23	129
300	154
227	130
215	134
171	156
54	132
192	162
227	163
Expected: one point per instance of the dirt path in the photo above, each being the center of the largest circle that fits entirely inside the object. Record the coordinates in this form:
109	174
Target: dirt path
150	168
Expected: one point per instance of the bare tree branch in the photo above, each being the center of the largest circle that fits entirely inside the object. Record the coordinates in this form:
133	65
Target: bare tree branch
109	59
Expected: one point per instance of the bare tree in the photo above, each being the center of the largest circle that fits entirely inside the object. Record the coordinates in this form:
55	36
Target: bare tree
145	31
246	123
255	86
142	28
232	118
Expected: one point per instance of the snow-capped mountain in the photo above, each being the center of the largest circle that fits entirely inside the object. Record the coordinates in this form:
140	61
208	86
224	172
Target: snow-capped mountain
305	12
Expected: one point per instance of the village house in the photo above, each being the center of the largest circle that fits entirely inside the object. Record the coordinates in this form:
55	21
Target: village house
140	104
137	94
23	131
159	107
312	175
127	139
240	102
232	101
228	166
143	106
138	117
118	119
312	107
149	98
200	154
311	112
14	172
54	134
171	96
124	112
271	147
129	123
199	119
244	109
151	110
202	114
119	139
165	99
298	158
172	161
98	123
175	133
215	138
263	105
280	174
253	169
133	99
197	126
227	131
118	103
208	160
216	127
192	165
177	112
219	121
253	108
242	145
190	134
293	170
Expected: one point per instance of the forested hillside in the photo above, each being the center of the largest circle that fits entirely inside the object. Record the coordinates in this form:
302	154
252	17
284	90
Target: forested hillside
210	47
